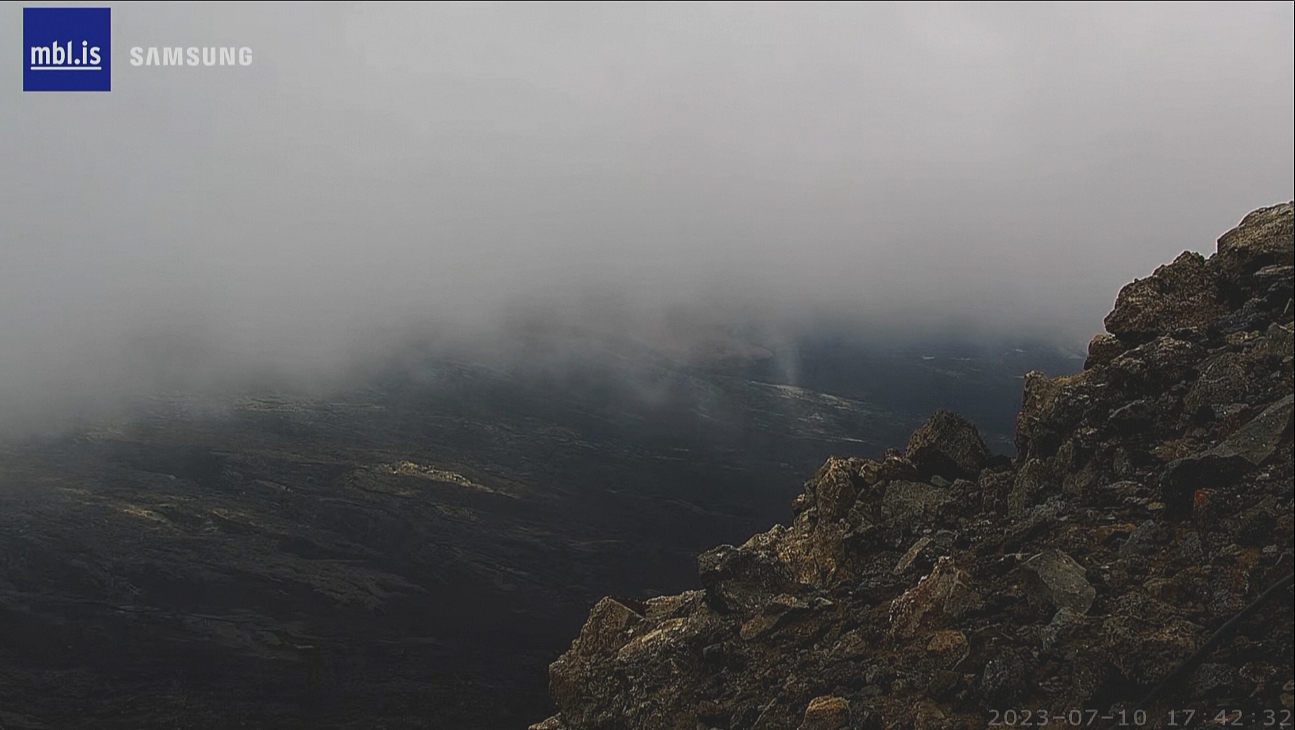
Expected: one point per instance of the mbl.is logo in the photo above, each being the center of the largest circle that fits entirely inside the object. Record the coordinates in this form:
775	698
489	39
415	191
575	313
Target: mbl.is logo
66	49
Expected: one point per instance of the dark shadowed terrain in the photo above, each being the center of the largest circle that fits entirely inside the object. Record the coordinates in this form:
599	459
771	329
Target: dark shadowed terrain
415	552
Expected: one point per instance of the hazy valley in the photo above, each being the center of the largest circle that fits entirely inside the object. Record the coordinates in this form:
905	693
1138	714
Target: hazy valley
414	551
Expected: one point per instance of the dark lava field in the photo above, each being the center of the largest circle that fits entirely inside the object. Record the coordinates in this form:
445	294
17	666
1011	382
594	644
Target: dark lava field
415	550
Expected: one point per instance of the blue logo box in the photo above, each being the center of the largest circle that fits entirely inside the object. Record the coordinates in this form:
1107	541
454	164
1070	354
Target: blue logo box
66	49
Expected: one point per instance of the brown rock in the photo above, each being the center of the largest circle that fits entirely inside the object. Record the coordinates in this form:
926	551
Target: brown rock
1146	639
658	641
895	466
868	471
947	590
607	628
1035	434
948	642
827	713
771	615
927	714
851	645
835	488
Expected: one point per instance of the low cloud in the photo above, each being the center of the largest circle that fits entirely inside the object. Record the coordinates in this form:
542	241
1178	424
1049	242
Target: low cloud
448	172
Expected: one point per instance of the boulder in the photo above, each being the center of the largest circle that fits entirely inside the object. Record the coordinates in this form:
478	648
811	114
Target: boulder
910	557
1036	434
835	487
1055	579
1224	379
1259	438
949	446
771	615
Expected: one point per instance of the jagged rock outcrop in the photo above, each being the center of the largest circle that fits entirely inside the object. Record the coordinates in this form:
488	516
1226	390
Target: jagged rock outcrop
1149	503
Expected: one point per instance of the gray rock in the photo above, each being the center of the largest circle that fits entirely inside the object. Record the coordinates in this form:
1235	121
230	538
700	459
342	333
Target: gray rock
1280	341
1033	479
1055	578
1064	624
1259	438
1004	676
1135	413
1123	489
1223	380
1275	274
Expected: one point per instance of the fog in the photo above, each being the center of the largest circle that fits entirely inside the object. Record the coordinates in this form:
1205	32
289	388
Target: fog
385	172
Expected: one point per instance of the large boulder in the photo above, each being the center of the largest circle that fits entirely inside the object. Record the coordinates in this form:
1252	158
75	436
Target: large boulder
949	446
1055	579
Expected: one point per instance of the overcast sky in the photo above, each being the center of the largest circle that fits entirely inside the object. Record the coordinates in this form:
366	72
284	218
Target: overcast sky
1003	168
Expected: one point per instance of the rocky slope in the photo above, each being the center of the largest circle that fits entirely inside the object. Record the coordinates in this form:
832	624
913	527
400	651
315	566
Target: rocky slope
941	587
